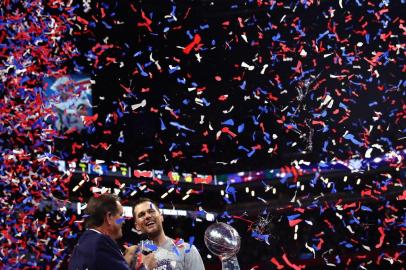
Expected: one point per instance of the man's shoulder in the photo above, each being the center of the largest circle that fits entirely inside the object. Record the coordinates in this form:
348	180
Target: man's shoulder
90	234
189	254
90	237
182	245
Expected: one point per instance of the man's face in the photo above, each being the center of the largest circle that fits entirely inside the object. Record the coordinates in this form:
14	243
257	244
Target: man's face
116	222
148	219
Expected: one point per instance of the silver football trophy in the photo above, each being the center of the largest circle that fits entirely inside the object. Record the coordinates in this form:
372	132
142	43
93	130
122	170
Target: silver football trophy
223	241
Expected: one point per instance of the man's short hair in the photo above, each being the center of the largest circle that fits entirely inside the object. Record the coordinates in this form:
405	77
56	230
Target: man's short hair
142	200
98	207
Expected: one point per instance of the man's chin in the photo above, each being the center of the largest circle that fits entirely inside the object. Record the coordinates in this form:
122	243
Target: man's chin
152	233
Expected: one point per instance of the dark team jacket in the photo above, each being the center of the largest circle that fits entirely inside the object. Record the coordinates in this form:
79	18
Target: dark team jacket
96	251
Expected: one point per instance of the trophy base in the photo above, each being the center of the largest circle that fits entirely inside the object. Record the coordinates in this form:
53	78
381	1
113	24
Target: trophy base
229	263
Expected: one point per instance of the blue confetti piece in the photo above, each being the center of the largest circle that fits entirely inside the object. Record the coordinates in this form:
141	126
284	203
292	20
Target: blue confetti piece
251	153
179	126
292	217
181	80
231	190
351	137
150	246
276	37
365	208
175	250
229	122
254	120
120	220
321	36
261	237
243	85
243	148
137	54
173	69
189	34
227	200
107	25
191	240
143	73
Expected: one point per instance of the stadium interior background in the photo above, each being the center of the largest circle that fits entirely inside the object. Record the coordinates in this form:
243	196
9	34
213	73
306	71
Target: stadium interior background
283	129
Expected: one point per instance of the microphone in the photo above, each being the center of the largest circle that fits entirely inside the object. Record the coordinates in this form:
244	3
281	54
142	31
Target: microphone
147	247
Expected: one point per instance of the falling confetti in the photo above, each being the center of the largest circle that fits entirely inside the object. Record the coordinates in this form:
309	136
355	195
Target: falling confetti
234	85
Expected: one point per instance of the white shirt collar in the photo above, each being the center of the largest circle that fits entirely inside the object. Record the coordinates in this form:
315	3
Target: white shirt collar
95	231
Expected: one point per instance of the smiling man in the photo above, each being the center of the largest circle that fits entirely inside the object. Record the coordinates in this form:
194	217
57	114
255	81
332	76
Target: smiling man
162	252
97	248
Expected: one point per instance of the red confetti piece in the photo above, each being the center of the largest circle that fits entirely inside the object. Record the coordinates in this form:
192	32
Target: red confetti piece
194	43
381	238
294	266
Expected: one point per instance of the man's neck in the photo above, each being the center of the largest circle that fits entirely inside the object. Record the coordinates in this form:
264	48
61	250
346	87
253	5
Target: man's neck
160	239
103	230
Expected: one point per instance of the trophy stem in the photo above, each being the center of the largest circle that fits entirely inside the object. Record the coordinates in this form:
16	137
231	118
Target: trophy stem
230	263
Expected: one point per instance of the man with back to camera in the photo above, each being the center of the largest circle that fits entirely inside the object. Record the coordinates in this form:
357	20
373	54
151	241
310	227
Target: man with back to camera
97	248
167	254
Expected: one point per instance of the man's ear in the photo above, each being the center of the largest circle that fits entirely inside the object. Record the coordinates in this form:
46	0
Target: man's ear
107	218
161	217
137	228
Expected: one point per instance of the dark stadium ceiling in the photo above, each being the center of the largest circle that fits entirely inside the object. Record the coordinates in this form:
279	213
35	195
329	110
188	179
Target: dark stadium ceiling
265	85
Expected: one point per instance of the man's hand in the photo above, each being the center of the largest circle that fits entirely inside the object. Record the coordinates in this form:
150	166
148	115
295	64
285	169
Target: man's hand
129	253
149	261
